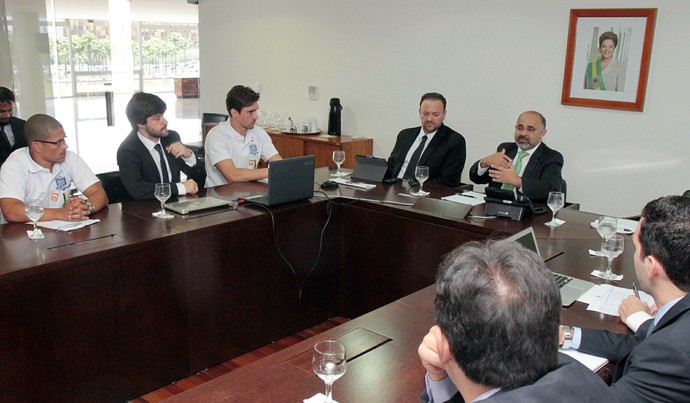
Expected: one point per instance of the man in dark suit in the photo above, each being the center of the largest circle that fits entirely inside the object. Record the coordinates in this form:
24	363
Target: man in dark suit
527	164
497	312
433	145
654	363
11	128
153	154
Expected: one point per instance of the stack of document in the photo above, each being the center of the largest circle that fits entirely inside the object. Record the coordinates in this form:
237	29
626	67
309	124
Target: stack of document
469	198
61	225
357	185
606	298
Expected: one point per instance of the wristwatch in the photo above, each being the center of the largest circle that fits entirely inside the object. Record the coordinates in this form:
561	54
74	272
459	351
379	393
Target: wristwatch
567	337
92	209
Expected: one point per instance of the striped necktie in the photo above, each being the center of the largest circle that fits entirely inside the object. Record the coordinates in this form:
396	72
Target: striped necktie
518	167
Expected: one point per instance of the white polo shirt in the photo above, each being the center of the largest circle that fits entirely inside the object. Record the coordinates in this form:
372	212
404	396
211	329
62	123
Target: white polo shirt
223	143
23	179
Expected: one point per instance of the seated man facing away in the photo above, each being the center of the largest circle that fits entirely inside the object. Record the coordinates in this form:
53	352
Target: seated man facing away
654	363
11	128
496	339
153	154
235	147
527	165
433	144
45	170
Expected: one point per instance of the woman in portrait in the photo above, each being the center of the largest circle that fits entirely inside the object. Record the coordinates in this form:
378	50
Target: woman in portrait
606	73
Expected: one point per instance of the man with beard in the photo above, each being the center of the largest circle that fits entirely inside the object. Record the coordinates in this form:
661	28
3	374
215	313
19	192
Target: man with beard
235	148
527	165
11	128
45	171
153	154
433	144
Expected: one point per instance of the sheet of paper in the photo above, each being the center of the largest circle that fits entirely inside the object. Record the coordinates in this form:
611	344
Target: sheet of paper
469	198
61	225
592	362
623	225
606	298
358	185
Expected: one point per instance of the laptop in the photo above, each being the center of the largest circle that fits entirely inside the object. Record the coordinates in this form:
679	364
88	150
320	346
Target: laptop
370	168
289	180
196	205
571	288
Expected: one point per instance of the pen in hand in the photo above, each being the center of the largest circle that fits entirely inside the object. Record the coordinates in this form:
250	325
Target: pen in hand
637	294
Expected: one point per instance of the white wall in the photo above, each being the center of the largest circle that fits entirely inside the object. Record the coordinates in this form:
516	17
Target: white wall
492	59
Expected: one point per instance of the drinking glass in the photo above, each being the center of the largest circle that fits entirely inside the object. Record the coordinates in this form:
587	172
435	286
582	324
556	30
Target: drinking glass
421	173
555	202
328	362
338	158
611	247
162	193
34	210
606	227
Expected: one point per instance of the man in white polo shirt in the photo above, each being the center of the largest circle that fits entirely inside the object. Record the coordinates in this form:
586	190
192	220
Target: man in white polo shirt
45	170
235	147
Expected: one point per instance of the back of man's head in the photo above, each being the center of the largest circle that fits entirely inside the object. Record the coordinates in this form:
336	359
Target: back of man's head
142	106
499	307
38	127
665	234
240	97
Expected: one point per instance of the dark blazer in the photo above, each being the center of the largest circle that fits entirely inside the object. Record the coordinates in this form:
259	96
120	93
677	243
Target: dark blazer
445	155
654	368
541	175
139	172
571	381
19	139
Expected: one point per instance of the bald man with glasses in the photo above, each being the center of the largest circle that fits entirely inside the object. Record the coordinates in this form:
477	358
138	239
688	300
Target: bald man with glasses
527	164
45	170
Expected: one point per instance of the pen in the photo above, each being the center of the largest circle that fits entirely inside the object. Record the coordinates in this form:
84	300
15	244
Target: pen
637	294
464	195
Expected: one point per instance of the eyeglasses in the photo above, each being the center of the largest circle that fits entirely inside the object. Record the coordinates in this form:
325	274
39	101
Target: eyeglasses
55	143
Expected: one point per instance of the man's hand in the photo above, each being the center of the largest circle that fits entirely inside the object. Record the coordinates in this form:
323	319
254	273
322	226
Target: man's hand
428	354
505	175
631	305
76	209
177	149
190	186
496	160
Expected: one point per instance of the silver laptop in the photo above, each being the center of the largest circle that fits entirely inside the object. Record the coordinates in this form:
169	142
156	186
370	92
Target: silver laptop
571	288
195	205
289	180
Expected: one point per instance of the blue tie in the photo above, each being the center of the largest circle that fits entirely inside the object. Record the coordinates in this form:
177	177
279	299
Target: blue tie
650	329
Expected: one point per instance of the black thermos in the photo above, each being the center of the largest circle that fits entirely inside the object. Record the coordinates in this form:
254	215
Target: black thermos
334	117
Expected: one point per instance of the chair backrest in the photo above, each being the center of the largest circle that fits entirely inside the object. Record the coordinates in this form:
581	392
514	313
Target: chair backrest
564	189
213	117
113	186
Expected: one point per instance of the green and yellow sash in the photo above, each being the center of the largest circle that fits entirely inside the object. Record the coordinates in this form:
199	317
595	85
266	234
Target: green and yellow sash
594	78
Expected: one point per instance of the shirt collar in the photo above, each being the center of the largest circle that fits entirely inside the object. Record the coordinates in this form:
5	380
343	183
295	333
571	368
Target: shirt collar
148	142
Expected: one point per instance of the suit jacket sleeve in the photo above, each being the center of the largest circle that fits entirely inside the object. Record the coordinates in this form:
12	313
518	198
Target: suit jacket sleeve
138	171
177	165
447	159
542	174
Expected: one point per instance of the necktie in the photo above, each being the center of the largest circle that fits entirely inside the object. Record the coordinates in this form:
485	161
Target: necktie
414	160
3	137
518	167
164	167
650	328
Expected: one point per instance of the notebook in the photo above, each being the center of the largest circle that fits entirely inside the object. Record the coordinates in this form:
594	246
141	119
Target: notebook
571	288
289	180
370	168
195	205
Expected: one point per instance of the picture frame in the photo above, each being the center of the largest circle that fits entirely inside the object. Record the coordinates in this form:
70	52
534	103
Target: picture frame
607	58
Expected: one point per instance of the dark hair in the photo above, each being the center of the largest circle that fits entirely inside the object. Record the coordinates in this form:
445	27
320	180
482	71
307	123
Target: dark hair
6	95
499	307
665	234
38	126
142	106
240	97
433	96
608	35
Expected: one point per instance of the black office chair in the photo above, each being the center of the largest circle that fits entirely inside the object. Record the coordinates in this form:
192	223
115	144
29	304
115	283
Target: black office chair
564	189
113	186
213	118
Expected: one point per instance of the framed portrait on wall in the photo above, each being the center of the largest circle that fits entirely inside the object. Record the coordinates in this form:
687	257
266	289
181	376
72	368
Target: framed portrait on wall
607	58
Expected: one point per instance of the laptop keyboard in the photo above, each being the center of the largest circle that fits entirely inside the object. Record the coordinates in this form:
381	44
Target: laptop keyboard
561	280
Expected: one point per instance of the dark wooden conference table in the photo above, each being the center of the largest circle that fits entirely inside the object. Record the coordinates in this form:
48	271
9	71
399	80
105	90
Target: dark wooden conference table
114	310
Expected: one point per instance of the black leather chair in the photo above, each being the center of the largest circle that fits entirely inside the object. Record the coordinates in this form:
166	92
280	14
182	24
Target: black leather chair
213	118
564	189
113	186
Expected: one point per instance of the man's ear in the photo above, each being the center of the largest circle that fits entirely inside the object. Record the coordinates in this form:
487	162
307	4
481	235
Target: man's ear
654	268
443	348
